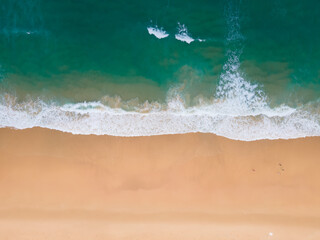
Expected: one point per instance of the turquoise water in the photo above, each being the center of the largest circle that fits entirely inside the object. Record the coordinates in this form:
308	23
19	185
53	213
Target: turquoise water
241	69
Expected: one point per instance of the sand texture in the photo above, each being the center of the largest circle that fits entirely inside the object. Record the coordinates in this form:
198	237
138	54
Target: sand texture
56	185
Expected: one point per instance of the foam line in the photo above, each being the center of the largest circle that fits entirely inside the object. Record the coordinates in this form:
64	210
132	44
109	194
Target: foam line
173	117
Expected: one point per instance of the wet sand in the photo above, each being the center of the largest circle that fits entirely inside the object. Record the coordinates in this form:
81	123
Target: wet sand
56	185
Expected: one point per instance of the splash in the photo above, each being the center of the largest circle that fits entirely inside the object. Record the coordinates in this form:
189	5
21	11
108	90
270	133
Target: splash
183	34
157	32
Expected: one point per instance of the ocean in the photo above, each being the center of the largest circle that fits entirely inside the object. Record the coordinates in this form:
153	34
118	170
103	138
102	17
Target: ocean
245	70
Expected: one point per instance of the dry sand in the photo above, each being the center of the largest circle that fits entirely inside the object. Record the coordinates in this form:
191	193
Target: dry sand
56	185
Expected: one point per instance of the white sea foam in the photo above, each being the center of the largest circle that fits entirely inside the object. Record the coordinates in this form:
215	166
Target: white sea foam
244	97
174	117
157	32
183	34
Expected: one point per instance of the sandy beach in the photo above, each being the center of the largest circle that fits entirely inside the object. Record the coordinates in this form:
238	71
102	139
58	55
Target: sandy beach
56	185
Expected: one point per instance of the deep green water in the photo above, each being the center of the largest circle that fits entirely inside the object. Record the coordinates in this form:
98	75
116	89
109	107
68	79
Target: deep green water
257	56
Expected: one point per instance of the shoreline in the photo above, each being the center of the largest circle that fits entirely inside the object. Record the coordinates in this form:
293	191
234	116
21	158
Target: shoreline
200	184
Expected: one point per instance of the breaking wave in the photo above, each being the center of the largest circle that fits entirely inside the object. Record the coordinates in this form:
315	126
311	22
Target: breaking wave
111	116
157	32
183	34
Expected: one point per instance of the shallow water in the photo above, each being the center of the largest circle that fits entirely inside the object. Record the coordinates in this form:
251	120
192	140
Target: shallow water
241	69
